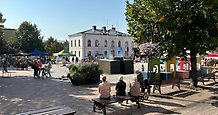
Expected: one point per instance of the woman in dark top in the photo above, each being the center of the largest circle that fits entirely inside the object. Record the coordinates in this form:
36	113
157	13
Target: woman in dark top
121	87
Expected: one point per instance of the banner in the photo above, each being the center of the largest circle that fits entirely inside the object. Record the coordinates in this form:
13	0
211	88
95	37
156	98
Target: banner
121	52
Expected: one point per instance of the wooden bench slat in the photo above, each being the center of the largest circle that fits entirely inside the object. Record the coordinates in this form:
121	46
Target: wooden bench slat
105	101
64	110
101	103
61	111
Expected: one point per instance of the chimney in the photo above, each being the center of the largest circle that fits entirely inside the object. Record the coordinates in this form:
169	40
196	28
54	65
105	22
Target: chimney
93	28
104	29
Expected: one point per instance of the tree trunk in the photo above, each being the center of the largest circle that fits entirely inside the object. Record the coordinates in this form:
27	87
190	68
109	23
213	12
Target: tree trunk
193	72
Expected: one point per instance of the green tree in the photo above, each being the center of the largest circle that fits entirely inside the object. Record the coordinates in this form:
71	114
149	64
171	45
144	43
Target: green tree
66	45
13	45
29	37
53	46
176	26
2	40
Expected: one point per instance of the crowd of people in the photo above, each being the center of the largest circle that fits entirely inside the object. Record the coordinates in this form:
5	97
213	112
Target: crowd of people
137	86
208	62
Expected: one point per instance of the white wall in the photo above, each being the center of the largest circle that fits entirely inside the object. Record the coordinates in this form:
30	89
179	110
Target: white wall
101	38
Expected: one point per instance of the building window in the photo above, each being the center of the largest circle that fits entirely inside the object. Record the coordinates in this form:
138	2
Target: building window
75	52
89	43
74	43
79	53
119	53
71	43
119	44
126	44
105	43
112	53
112	43
96	43
105	53
79	43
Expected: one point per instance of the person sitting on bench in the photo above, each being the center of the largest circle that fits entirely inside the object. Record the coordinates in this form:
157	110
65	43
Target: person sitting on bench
104	89
120	88
134	87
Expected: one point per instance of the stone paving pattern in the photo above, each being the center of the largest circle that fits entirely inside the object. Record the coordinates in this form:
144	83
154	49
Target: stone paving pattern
21	93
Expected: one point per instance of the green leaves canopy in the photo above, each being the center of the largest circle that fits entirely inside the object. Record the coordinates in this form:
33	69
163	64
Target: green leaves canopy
52	46
29	37
2	40
175	26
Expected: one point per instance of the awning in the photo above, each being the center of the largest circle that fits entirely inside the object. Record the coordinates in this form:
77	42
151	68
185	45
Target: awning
63	53
37	52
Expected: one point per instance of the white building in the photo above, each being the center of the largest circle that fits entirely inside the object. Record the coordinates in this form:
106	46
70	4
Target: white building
101	43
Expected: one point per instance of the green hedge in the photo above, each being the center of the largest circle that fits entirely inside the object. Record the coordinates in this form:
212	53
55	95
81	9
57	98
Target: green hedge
84	73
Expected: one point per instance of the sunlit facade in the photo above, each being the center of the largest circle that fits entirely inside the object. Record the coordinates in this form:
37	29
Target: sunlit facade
101	43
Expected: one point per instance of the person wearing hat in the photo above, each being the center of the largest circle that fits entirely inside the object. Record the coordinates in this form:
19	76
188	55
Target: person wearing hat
140	79
120	87
104	89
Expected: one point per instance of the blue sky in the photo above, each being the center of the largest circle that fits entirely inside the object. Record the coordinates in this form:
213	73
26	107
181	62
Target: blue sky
59	18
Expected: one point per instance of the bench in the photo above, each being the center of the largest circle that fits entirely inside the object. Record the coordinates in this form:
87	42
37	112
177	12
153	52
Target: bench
102	103
131	98
207	76
157	84
57	110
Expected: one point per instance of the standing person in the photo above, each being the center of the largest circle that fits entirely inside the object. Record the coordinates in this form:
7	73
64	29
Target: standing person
143	68
4	65
140	79
77	59
104	89
49	68
35	69
120	87
39	66
134	87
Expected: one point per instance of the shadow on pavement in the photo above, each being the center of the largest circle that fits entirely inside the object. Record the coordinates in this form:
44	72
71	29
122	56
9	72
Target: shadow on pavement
22	94
133	110
165	103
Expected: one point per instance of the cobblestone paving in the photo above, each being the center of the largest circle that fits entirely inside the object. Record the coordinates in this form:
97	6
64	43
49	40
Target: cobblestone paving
20	93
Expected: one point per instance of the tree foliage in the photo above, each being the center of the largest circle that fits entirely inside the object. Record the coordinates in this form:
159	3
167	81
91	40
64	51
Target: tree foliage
66	45
175	25
28	37
53	46
3	46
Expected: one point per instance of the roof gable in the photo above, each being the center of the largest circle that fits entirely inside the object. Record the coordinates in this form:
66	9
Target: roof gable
95	31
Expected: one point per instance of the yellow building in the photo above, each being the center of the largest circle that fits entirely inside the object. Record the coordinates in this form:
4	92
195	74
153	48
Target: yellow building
8	34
